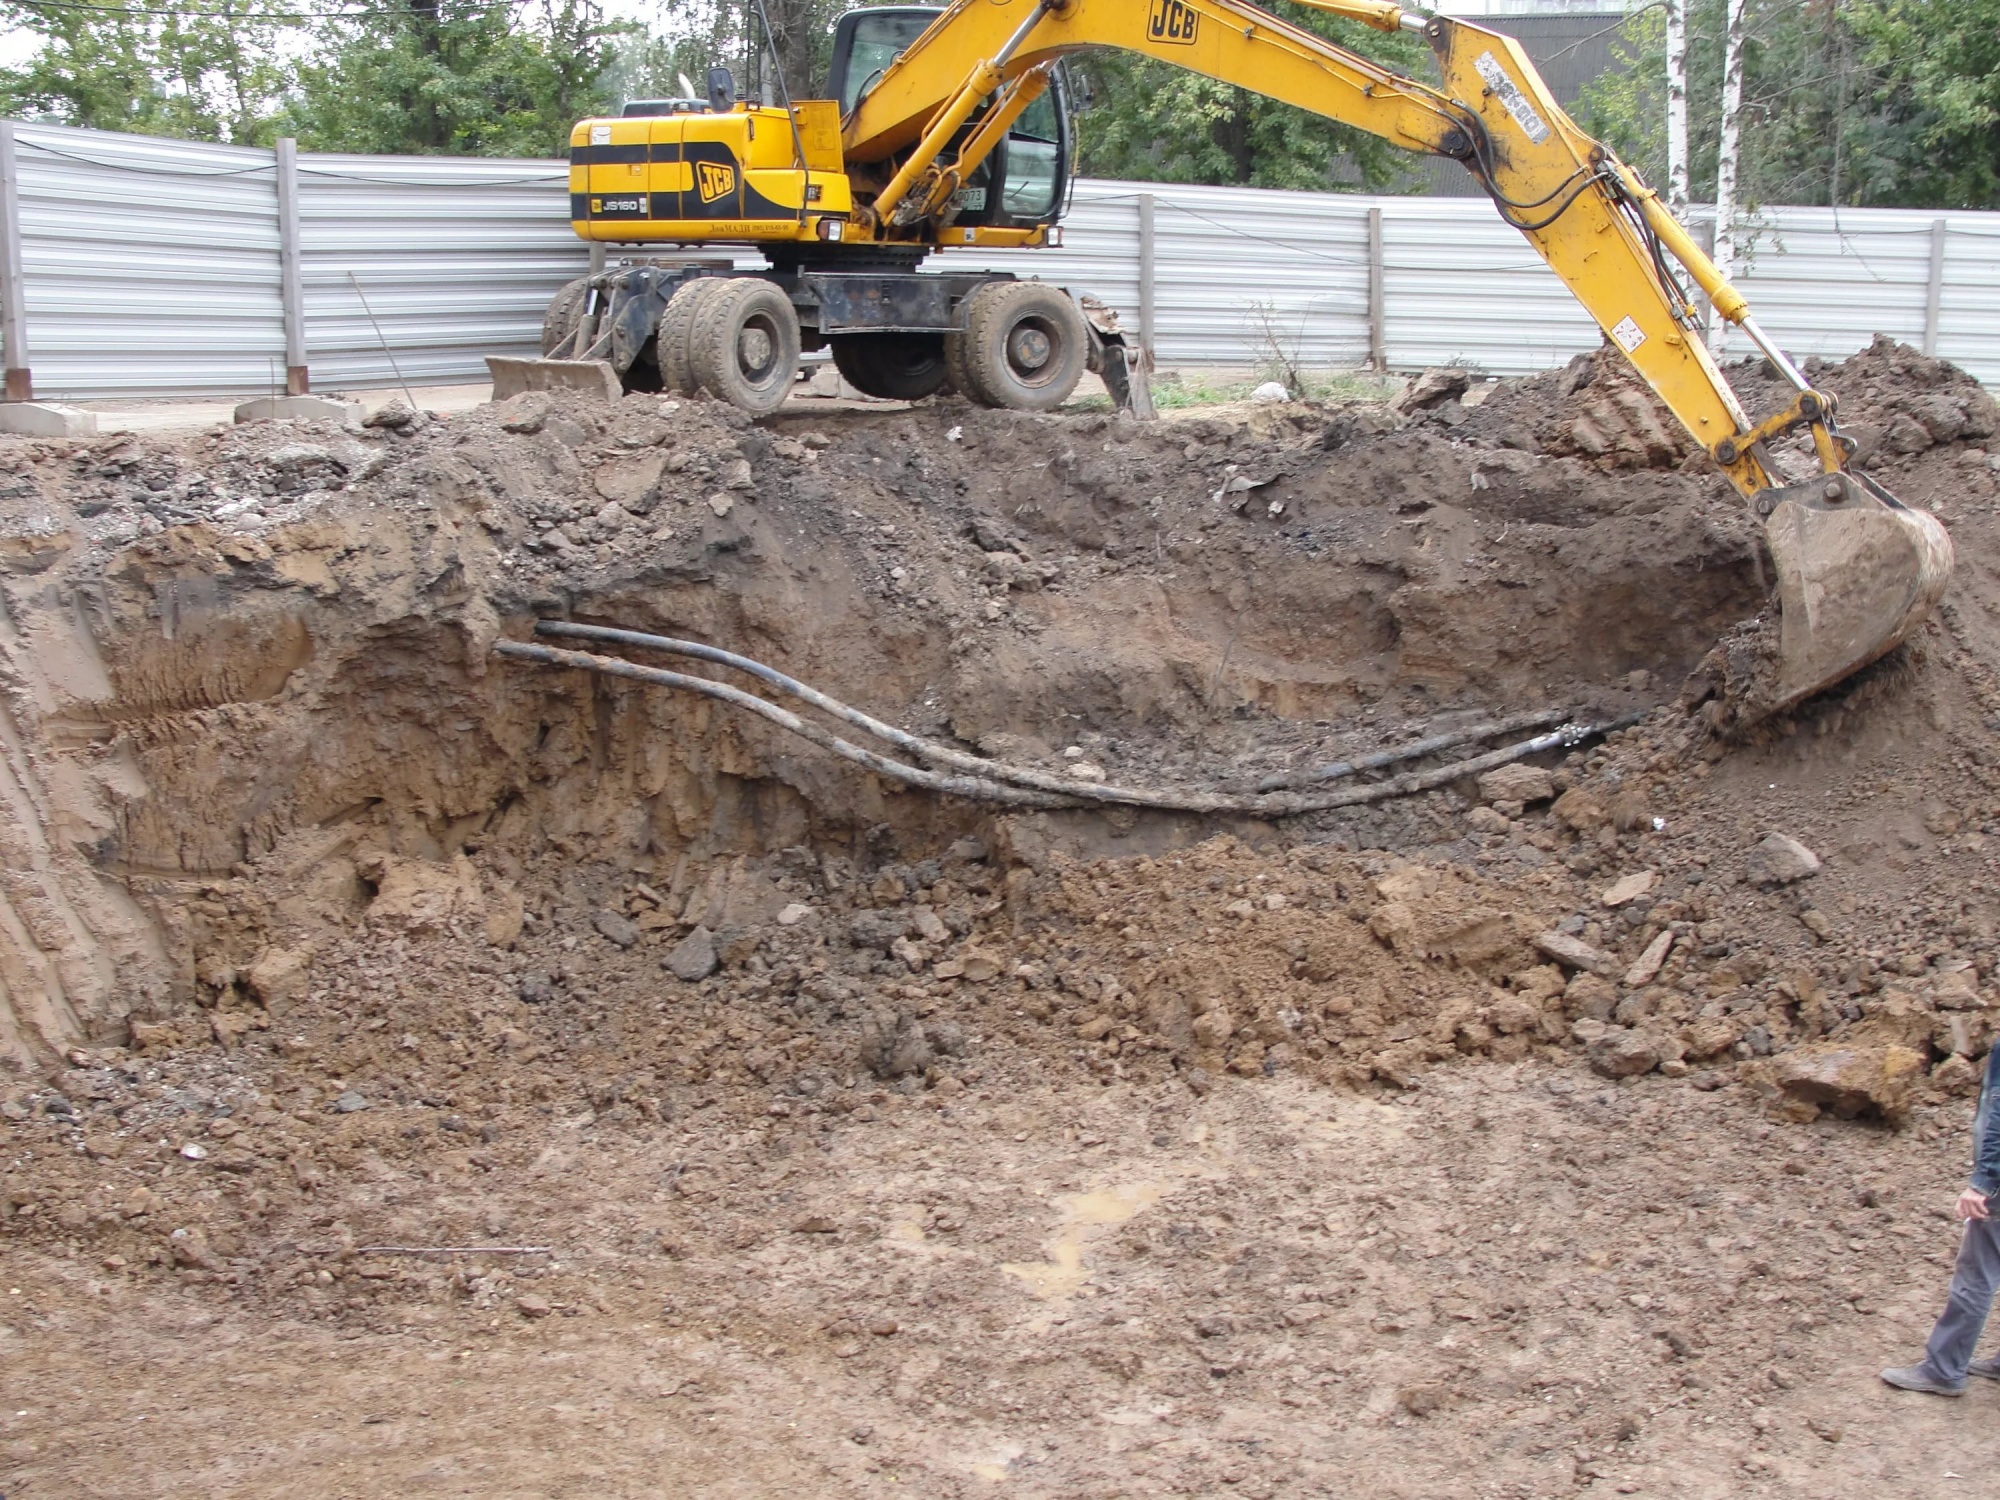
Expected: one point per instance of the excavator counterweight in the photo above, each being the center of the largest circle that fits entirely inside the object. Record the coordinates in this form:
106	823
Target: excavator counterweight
947	127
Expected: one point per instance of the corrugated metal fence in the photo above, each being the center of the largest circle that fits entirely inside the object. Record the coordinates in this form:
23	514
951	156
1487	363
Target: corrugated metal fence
153	268
1241	270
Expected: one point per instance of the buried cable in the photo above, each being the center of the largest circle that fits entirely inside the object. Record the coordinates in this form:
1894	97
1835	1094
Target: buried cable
986	786
611	666
1280	780
990	770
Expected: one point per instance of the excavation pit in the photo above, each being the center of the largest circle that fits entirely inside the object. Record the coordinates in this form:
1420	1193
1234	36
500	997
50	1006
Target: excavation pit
331	936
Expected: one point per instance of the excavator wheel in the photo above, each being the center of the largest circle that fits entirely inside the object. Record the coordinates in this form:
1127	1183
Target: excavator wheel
1024	346
565	311
672	343
744	345
892	366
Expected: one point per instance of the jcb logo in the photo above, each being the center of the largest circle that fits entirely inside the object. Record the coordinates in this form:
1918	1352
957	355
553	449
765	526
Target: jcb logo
1172	21
715	179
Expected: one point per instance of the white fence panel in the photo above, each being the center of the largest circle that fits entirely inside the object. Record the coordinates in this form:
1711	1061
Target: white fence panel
149	267
1461	287
1238	271
1826	282
455	258
1969	307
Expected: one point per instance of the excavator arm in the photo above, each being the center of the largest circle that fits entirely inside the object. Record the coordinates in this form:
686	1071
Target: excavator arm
1857	570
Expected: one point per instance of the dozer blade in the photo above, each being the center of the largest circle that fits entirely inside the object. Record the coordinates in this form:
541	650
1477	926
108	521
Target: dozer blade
1857	572
593	377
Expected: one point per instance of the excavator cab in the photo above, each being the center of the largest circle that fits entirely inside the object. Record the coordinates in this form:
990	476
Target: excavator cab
1030	165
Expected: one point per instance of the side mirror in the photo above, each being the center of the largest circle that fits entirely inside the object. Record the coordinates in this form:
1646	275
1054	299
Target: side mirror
721	91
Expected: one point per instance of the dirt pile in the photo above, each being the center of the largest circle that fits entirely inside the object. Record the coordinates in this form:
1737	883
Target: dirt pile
329	937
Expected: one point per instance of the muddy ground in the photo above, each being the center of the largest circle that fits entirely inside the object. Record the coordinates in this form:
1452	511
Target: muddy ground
765	1129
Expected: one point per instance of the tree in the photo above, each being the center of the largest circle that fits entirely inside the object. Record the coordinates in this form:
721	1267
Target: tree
1677	107
1844	102
427	77
699	34
1158	123
1728	150
1939	65
209	71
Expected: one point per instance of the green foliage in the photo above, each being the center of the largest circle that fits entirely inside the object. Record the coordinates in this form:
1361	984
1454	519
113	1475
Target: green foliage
1157	123
1939	66
455	77
695	35
1848	102
1845	101
210	72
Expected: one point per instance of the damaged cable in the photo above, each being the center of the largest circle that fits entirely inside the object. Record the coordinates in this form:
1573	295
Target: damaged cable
1020	786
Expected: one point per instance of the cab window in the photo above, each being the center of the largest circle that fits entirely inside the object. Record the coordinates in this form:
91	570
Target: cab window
877	42
1034	156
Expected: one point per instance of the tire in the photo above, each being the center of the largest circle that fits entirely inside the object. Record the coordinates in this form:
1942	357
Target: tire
565	311
892	366
744	345
1024	346
957	374
671	345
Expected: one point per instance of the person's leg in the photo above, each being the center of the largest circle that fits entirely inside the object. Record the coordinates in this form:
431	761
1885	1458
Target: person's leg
1973	1282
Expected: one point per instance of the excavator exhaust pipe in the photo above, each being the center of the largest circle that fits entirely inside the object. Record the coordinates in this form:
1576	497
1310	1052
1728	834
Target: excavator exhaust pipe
1858	572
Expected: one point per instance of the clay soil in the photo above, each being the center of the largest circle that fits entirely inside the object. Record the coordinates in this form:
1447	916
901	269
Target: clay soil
434	1074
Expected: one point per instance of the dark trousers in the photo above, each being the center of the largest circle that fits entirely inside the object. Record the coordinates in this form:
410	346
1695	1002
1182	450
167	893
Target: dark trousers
1973	1282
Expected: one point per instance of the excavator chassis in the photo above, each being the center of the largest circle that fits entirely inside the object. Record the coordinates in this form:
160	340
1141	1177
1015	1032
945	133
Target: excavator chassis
888	328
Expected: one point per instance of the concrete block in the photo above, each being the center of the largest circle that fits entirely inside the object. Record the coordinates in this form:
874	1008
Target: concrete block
46	419
298	409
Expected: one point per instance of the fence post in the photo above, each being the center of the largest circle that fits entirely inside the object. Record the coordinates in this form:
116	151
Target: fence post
1934	288
1378	331
291	291
20	384
1148	272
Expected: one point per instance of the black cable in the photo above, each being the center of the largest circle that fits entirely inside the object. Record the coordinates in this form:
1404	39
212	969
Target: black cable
1561	209
1479	161
556	172
122	166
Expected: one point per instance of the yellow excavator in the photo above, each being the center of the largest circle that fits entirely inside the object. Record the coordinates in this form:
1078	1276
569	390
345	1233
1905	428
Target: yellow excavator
948	128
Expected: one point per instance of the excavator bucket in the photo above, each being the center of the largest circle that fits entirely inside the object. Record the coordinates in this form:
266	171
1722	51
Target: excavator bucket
1857	572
